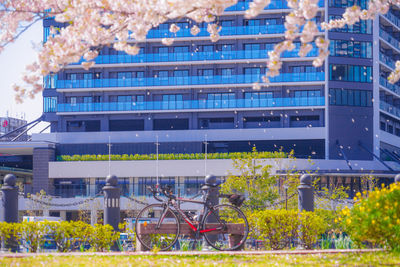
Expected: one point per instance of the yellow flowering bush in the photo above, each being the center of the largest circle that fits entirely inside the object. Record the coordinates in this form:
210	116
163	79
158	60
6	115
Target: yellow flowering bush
280	228
376	218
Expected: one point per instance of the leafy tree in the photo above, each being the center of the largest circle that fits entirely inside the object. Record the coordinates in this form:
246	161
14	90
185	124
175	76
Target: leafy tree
255	180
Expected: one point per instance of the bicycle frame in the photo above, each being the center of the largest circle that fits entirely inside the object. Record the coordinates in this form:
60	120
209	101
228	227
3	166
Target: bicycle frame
208	208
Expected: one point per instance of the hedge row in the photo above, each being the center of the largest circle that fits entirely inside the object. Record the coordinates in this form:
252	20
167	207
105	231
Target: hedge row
193	156
68	235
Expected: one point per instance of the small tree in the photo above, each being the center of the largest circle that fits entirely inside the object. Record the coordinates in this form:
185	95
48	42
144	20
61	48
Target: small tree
255	179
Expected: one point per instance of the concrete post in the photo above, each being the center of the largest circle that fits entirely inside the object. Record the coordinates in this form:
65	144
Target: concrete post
9	209
306	193
397	178
112	208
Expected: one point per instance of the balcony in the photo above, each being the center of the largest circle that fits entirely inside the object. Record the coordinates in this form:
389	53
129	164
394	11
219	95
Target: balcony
389	108
392	87
392	18
389	38
189	80
192	104
195	56
387	60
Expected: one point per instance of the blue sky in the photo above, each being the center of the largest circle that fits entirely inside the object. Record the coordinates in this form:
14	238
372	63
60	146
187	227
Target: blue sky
13	60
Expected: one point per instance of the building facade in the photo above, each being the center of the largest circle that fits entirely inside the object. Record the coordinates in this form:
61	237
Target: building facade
197	96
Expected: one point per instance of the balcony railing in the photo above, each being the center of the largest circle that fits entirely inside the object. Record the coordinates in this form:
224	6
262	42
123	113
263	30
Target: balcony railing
393	18
390	108
275	4
189	80
387	60
392	87
194	56
389	38
192	104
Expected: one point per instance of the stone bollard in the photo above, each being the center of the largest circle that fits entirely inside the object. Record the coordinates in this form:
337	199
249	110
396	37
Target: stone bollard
306	193
112	208
397	178
210	187
9	209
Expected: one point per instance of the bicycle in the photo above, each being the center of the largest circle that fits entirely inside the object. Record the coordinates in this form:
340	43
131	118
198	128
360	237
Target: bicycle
223	226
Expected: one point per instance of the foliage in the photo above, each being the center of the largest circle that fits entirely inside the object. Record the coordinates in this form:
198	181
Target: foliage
311	227
255	181
103	237
375	218
171	156
33	233
9	230
279	228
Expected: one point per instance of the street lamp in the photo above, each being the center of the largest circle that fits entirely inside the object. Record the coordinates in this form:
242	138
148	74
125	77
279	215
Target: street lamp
286	187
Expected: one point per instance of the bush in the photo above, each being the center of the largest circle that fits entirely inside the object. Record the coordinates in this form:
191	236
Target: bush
279	228
375	218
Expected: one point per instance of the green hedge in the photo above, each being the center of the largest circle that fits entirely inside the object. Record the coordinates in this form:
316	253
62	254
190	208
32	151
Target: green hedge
236	155
68	235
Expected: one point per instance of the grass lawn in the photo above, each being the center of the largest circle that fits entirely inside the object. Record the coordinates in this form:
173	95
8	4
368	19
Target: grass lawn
363	259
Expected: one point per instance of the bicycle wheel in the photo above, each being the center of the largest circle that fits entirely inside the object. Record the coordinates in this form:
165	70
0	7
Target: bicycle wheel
157	226
225	227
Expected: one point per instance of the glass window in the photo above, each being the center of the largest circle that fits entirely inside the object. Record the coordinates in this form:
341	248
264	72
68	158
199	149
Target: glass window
252	71
181	73
181	49
227	72
251	46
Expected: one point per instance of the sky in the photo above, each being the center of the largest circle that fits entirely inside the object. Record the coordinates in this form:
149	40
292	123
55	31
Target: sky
13	60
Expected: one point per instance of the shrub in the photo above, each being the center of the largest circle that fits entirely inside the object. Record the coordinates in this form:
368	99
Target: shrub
102	237
279	228
311	227
376	218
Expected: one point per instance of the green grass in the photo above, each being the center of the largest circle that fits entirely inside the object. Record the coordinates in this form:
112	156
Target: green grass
348	259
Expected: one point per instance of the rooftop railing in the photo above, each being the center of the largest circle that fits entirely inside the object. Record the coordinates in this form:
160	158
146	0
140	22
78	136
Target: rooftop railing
392	87
390	108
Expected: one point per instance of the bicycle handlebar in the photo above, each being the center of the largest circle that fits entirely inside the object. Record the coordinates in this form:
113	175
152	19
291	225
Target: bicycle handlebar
164	190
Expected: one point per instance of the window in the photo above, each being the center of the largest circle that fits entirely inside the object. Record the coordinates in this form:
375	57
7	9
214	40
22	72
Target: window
252	71
349	97
342	48
220	100
161	74
124	75
252	47
227	23
350	73
181	49
363	26
172	101
181	73
206	73
303	69
257	99
50	104
71	76
160	50
225	47
307	93
225	73
206	48
252	22
348	3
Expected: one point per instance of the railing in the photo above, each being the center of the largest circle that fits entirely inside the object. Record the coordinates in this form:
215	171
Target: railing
392	87
389	38
192	104
189	80
389	108
194	56
226	31
275	4
387	60
393	18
